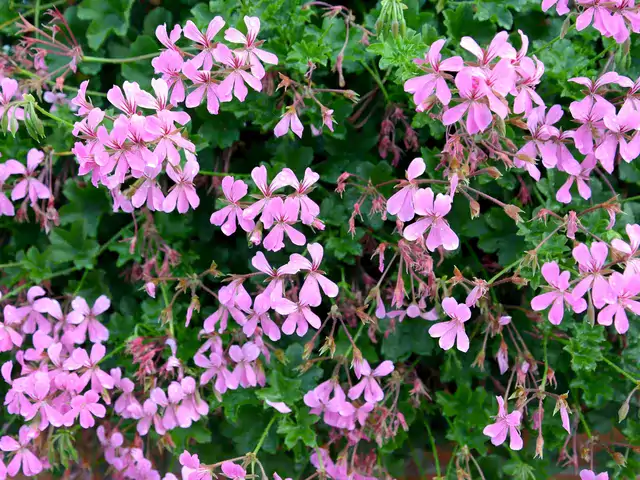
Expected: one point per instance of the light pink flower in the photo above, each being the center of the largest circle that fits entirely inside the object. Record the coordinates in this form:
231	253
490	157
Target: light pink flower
279	406
310	291
452	331
590	113
299	316
624	287
80	360
590	264
309	210
9	89
205	84
86	407
472	88
244	371
233	471
251	45
29	185
204	41
596	13
591	475
289	120
234	191
23	457
562	6
170	64
183	193
402	202
237	76
432	213
259	176
631	248
626	122
84	105
582	180
368	383
499	47
215	367
283	214
506	424
84	317
559	283
192	469
169	40
422	87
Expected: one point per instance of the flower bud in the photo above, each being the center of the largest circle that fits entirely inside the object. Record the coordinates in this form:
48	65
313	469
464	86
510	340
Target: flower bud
513	212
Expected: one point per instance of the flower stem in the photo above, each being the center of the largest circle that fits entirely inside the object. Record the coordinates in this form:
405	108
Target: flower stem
376	78
31	11
223	174
433	448
146	56
264	436
52	116
9	265
620	370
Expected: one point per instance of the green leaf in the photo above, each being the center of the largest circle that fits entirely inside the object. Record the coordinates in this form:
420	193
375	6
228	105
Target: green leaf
86	203
73	246
299	430
585	346
106	16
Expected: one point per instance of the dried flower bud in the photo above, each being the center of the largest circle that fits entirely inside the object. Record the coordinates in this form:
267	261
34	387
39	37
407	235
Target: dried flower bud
513	212
474	206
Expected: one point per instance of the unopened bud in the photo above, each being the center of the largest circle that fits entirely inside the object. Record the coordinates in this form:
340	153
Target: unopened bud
619	458
329	345
513	212
539	445
494	172
623	411
474	206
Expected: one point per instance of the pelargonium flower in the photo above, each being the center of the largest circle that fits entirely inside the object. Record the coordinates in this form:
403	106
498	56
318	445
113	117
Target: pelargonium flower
283	214
234	83
23	457
310	291
309	210
9	88
562	6
626	122
84	317
192	469
590	113
299	316
244	371
170	401
259	176
215	367
402	202
624	287
233	471
559	282
289	120
169	64
234	191
79	359
204	41
205	85
452	331
250	43
499	47
505	424
472	89
86	407
169	40
591	475
368	383
422	87
29	185
432	213
183	193
581	179
631	248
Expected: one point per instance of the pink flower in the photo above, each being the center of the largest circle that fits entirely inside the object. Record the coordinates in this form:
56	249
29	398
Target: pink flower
79	359
591	264
127	102
183	193
530	72
147	414
560	284
235	80
588	164
259	176
244	370
505	424
368	384
596	13
204	41
433	213
86	407
276	275
591	475
13	114
86	321
37	388
233	471
8	334
562	6
289	120
299	316
260	314
215	367
205	84
502	357
191	468
472	88
29	185
279	406
629	249
624	287
192	406
310	291
80	100
327	118
169	40
564	415
625	123
282	215
452	331
6	207
234	191
402	202
423	87
251	45
309	210
23	457
170	403
499	47
590	113
169	64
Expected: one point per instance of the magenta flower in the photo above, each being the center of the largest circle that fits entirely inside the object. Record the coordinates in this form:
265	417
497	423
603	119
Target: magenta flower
183	193
244	371
624	287
506	424
38	387
80	360
422	87
147	415
591	475
85	320
233	471
626	122
23	457
251	45
562	6
452	331
499	47
472	88
234	191
29	185
237	77
560	295
402	202
368	384
432	213
582	180
205	84
310	291
80	100
282	215
170	402
299	316
86	407
127	102
590	264
169	64
596	13
289	120
204	41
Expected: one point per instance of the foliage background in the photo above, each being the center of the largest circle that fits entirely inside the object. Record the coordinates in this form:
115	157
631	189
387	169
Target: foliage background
86	254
